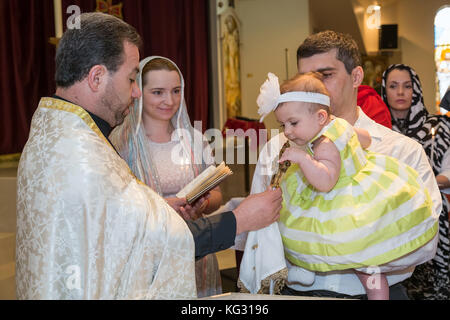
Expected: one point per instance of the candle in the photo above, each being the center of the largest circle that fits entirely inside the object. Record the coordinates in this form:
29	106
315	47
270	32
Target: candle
57	7
433	134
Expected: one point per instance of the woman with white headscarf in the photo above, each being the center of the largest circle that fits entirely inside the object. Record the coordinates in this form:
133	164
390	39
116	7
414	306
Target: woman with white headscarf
163	150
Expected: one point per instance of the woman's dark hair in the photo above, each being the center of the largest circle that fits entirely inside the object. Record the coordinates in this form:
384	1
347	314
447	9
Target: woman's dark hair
401	67
99	41
322	42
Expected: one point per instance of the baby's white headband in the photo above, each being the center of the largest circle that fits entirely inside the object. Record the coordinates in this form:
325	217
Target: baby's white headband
269	96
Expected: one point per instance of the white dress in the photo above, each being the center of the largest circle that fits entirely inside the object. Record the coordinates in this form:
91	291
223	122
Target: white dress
173	176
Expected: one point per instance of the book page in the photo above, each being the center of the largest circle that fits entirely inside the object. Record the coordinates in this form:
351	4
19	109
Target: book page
204	182
191	185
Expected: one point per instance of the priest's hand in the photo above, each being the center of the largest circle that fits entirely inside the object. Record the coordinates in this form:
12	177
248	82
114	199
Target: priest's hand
258	211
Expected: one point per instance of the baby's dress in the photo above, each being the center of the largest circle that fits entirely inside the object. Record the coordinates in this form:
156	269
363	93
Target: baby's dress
377	212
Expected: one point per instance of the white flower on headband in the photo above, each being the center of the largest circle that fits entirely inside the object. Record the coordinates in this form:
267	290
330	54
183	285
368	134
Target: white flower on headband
270	97
269	93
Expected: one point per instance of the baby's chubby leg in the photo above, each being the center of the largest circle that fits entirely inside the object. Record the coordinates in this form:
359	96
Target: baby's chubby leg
376	285
300	275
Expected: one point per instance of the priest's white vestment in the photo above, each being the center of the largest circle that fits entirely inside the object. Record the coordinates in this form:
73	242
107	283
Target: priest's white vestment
87	228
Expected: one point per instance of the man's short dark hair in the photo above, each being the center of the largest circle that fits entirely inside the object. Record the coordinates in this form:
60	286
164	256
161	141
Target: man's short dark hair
99	41
322	42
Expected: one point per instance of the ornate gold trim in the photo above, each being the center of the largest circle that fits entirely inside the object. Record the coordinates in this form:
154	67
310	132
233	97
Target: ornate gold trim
11	157
57	104
278	279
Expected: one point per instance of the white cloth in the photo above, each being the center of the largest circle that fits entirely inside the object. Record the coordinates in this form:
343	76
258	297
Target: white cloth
265	242
384	141
86	227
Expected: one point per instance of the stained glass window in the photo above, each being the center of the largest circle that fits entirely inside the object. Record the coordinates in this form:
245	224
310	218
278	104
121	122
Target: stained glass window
442	52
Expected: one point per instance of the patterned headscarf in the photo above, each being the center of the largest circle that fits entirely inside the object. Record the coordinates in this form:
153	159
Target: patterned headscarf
131	141
418	123
429	279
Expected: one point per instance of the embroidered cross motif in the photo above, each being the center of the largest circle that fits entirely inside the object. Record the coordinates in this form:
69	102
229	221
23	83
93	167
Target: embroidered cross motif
108	7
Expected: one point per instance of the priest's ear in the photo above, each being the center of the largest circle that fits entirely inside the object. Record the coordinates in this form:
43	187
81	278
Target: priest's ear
97	77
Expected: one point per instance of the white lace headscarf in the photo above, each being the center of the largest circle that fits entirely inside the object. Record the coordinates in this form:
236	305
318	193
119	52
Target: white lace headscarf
131	141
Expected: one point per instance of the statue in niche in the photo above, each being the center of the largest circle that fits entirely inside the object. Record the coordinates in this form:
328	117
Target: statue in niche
373	70
231	65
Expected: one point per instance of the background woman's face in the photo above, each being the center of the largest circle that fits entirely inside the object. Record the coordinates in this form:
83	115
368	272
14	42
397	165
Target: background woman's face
161	94
399	90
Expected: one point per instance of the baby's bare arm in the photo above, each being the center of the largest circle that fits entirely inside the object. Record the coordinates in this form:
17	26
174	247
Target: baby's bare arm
322	170
364	137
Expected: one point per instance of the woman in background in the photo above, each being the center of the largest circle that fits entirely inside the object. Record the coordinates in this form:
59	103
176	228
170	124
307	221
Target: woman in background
402	92
157	141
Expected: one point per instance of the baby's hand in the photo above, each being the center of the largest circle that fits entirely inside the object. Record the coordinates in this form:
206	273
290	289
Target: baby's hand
292	154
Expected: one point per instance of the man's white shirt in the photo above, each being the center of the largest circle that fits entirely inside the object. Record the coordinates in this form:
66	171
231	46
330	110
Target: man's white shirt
384	141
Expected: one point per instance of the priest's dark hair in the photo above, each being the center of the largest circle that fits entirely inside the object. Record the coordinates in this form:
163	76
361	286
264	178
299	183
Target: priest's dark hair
325	41
99	41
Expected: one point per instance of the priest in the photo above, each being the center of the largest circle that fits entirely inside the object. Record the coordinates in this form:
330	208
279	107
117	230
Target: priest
87	228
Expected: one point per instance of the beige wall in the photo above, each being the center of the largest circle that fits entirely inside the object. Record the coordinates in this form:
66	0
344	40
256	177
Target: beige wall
267	28
415	19
270	26
7	232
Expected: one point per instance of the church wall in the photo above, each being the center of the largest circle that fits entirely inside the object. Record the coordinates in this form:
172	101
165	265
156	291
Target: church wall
415	19
416	35
267	28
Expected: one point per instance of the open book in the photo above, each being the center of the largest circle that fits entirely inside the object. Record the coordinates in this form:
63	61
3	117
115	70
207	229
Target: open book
204	182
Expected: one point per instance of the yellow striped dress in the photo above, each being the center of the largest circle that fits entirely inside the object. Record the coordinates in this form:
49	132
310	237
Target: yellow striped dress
378	211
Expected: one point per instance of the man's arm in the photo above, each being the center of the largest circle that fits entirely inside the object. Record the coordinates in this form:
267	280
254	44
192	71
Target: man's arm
426	174
213	234
411	152
408	151
217	232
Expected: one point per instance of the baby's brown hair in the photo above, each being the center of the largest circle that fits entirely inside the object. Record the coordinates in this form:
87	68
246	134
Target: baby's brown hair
307	82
